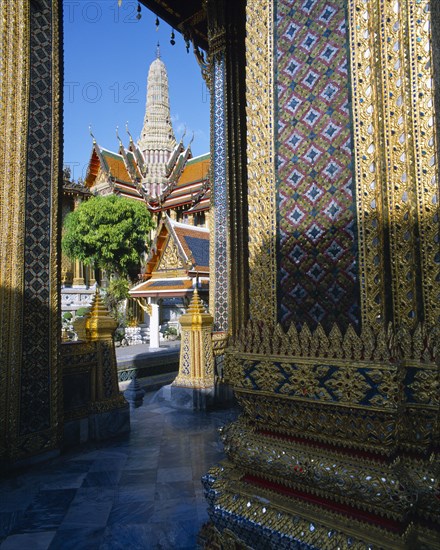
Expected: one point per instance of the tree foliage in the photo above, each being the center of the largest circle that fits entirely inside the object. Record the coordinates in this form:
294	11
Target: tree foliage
109	232
115	293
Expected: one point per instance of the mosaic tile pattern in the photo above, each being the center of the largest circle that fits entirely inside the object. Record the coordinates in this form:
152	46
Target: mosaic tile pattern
220	198
36	390
318	281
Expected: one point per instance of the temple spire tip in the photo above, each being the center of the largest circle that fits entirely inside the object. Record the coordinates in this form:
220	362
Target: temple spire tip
91	134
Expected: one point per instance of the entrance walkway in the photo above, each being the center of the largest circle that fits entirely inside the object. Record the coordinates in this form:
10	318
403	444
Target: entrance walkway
140	492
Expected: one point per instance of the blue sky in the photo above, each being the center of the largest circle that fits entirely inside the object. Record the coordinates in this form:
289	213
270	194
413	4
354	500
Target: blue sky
107	53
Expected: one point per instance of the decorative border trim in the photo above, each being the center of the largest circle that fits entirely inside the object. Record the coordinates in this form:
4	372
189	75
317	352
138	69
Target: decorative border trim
219	266
261	160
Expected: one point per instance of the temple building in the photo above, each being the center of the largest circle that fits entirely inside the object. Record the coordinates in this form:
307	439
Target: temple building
324	263
157	169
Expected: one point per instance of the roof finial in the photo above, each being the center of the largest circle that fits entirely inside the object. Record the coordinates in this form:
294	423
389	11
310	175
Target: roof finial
128	131
117	135
158	50
91	133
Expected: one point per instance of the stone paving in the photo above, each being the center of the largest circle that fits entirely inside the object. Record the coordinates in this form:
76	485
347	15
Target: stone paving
142	491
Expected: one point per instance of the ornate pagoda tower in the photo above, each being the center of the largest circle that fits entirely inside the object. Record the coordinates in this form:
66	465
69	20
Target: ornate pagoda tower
157	141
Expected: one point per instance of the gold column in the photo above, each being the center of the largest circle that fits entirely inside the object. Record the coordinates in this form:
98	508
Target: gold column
196	367
29	300
78	274
14	94
66	271
67	265
261	162
395	153
349	418
78	267
91	277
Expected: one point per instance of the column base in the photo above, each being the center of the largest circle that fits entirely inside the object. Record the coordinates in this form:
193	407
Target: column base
187	398
246	516
134	394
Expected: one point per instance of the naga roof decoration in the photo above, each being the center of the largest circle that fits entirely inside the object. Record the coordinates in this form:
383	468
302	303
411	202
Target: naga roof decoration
123	175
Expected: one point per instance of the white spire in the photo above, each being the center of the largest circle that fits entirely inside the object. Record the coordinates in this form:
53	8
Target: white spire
157	139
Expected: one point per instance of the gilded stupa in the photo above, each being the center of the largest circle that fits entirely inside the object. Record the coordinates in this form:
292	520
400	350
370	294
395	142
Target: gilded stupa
157	141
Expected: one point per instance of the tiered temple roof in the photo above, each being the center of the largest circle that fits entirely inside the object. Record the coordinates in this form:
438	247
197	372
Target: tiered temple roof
121	173
191	187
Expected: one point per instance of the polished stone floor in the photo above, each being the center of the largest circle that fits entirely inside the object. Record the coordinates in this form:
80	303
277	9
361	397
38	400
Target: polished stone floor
142	491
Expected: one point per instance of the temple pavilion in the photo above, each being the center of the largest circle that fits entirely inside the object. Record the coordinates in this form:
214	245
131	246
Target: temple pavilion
177	264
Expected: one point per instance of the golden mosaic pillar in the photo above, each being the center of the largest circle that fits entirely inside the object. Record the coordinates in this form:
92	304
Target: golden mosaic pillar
67	265
78	273
30	92
228	215
100	328
90	370
336	363
196	366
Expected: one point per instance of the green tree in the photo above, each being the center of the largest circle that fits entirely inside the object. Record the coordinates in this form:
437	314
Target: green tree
115	294
109	232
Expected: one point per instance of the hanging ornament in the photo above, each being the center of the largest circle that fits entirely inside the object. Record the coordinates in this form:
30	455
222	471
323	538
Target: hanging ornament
157	23
172	41
187	44
139	15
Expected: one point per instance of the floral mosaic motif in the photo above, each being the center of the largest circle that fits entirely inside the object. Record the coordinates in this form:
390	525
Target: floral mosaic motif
318	280
207	352
321	382
422	386
108	363
185	353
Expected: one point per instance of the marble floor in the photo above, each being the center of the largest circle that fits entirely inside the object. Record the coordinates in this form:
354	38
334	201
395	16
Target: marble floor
142	491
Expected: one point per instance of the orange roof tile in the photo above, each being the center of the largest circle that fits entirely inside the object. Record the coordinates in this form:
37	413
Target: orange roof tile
116	165
195	170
